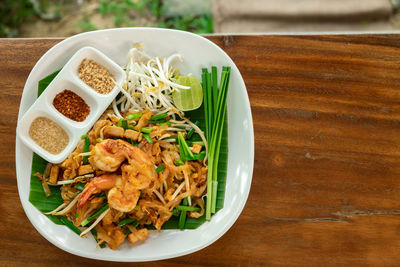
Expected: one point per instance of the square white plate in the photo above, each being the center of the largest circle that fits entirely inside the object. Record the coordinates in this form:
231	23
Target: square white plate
197	52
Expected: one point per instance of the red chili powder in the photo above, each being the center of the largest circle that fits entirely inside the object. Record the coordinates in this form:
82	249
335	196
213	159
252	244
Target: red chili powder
71	105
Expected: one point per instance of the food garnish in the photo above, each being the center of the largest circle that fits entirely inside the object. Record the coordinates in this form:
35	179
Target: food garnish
191	98
215	112
48	135
71	105
96	76
150	83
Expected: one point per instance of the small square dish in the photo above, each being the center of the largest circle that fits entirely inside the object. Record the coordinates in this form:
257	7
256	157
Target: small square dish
50	117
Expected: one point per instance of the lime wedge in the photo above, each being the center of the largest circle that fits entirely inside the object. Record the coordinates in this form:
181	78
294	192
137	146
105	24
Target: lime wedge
188	99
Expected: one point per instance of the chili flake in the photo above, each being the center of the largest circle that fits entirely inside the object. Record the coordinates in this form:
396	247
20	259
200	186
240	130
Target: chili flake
71	105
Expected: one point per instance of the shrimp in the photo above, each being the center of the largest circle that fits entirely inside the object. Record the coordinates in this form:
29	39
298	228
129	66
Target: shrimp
96	185
107	155
139	179
138	174
110	154
124	196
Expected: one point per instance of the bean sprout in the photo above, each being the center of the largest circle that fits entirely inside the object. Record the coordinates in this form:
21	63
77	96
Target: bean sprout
150	83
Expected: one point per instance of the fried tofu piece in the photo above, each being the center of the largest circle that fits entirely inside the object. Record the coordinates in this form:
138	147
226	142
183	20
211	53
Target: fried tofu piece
85	169
140	235
54	174
131	134
196	148
144	119
113	131
111	234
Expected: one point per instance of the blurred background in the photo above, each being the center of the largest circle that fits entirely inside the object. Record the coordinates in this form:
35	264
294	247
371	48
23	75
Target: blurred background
61	18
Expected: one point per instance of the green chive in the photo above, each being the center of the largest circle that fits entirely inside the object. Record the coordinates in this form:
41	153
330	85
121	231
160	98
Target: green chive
181	151
215	85
201	155
160	168
216	105
148	138
130	126
80	186
210	105
86	149
94	233
175	212
128	221
168	123
99	140
191	143
146	130
221	113
182	217
102	194
179	162
84	136
133	116
187	152
204	85
127	232
123	123
94	215
187	208
191	132
159	117
214	195
157	121
180	127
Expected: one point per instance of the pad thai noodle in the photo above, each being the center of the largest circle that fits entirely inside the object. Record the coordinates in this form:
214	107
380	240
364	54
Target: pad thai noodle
135	168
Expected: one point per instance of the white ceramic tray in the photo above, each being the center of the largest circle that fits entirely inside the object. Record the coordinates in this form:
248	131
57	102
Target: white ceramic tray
68	79
197	52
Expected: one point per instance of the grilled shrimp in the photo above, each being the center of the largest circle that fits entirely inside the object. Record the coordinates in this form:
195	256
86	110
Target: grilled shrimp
136	175
107	155
96	185
124	196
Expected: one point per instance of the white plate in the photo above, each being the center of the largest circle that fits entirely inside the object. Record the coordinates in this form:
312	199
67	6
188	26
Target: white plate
197	52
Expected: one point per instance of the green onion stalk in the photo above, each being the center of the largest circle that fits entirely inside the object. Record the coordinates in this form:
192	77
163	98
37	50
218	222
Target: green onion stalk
215	112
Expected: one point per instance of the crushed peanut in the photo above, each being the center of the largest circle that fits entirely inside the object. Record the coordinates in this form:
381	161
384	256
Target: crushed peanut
96	76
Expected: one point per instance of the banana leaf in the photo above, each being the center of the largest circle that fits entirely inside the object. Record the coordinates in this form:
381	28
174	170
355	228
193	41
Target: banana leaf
198	115
36	194
44	204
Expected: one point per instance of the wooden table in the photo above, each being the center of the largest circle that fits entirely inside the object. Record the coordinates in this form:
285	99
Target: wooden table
326	184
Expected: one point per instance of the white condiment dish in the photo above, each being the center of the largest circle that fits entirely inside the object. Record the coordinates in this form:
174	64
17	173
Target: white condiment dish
68	79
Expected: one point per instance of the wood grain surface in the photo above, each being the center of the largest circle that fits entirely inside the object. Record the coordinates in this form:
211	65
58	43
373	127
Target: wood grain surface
326	183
